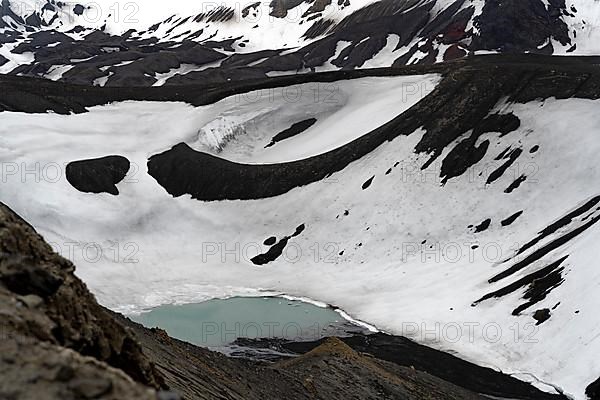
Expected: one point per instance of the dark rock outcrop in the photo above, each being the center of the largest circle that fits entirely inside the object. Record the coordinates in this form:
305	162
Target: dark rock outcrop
510	220
593	390
365	373
521	25
276	249
404	352
292	131
99	175
58	340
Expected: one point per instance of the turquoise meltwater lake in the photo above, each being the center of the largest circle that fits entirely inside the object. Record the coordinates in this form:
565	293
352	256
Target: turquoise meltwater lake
216	323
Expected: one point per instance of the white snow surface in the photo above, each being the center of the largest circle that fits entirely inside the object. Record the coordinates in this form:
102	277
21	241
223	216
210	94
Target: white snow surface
345	110
144	248
585	27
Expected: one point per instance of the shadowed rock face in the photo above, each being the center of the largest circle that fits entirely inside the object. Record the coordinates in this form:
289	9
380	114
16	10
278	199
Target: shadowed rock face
121	60
32	369
521	25
280	8
47	310
98	175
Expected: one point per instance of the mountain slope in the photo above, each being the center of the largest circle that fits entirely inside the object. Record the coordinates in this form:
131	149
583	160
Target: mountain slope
99	44
110	357
461	213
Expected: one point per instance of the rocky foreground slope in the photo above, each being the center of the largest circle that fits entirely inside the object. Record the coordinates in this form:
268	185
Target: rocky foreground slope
58	343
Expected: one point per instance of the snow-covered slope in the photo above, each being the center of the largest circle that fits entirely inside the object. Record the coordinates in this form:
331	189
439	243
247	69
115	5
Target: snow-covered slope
454	204
167	44
457	209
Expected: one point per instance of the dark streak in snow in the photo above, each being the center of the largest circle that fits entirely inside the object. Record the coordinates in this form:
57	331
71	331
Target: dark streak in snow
542	316
515	185
536	289
509	221
277	249
544	250
270	241
512	157
292	131
483	226
540	287
560	223
503	154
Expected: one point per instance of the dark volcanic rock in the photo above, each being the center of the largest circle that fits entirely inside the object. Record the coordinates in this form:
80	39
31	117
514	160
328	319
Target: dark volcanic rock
593	390
467	153
407	353
78	9
538	285
270	241
100	55
515	185
346	365
31	369
521	25
292	131
508	26
542	315
368	183
276	249
560	223
60	313
22	277
509	221
98	175
511	158
544	249
483	226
